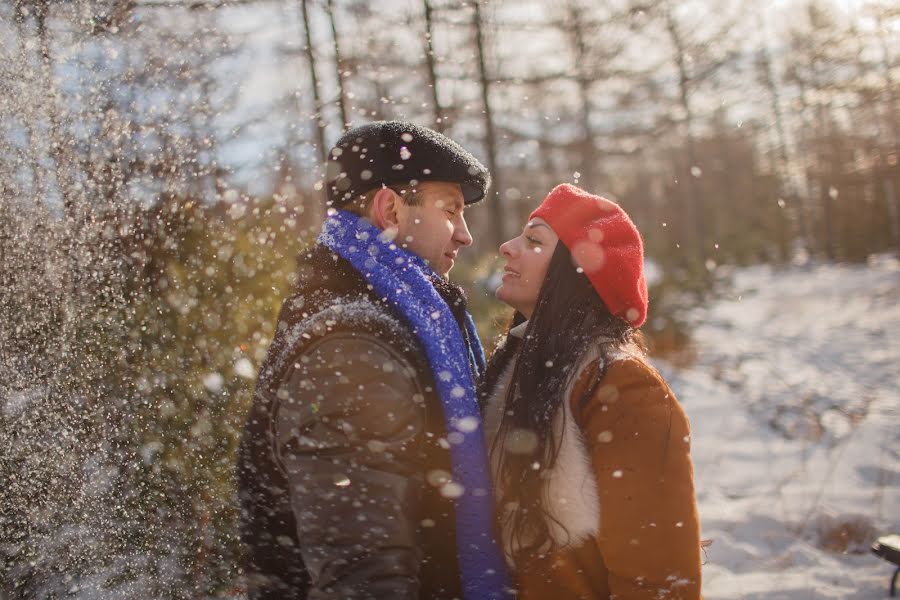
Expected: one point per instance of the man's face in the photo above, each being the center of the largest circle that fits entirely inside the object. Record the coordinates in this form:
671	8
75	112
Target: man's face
436	228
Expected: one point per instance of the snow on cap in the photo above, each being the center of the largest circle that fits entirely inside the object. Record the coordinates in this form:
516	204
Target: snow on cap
399	153
604	243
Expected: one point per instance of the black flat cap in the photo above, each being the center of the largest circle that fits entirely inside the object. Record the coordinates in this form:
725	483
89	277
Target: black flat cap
399	153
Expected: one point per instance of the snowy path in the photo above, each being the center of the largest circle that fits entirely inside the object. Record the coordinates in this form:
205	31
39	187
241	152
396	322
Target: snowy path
795	407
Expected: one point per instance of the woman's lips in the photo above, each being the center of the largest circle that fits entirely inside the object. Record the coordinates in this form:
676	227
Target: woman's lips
511	273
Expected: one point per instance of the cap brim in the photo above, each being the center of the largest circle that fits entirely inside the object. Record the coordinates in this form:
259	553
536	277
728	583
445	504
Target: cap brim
471	193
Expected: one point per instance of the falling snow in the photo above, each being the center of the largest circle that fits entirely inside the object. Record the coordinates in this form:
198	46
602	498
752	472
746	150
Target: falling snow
161	172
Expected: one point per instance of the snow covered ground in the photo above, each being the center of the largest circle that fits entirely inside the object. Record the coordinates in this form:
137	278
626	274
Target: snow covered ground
794	402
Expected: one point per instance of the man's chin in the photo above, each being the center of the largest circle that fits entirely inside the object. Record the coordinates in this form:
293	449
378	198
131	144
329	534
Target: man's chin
439	270
442	267
447	266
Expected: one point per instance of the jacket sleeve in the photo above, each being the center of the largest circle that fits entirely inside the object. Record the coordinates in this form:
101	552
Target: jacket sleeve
639	441
347	429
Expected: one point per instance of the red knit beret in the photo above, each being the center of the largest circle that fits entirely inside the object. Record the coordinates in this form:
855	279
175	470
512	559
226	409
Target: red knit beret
604	243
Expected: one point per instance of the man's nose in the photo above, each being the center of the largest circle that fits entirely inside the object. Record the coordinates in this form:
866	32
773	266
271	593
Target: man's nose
461	233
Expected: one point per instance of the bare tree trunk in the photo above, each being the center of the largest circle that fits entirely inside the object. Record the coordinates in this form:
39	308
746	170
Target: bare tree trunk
204	143
828	219
37	173
379	90
430	64
588	161
545	149
890	193
339	68
318	205
796	208
314	80
890	85
589	149
809	160
68	242
828	191
693	204
890	198
57	146
490	138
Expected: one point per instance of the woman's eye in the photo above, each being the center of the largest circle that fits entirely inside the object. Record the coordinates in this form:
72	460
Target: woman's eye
533	241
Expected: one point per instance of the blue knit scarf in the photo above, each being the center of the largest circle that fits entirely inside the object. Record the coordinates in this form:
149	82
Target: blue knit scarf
401	278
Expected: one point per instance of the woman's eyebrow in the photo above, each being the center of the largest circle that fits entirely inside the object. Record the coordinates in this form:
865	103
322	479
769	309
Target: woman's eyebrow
533	225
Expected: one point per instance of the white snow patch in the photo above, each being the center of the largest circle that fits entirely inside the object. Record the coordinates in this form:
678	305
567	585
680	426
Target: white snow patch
795	407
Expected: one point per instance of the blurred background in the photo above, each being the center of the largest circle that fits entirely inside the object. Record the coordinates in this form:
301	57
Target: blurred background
161	168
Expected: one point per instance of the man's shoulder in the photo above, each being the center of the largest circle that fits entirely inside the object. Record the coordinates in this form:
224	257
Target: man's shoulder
346	313
332	303
352	320
330	291
360	312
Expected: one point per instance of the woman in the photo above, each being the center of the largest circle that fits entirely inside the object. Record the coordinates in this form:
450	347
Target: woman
590	448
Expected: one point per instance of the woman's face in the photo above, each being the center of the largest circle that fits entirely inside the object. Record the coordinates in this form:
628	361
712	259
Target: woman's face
527	258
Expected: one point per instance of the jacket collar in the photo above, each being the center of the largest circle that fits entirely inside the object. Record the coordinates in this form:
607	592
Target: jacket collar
519	330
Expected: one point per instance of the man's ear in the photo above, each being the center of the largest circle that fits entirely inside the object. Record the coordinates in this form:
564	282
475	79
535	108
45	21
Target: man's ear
385	207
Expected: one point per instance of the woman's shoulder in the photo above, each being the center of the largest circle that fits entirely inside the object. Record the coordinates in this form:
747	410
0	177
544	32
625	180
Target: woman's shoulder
633	407
621	367
629	369
629	384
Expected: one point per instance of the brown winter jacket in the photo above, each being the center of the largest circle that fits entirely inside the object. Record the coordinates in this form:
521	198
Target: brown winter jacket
335	462
622	489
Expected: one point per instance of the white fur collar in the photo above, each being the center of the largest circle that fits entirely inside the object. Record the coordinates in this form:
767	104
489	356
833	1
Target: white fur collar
570	491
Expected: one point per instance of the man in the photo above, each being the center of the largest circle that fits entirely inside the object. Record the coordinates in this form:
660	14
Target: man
362	471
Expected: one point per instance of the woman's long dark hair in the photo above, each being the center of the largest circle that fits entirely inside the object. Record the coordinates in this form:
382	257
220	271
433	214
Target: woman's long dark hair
569	319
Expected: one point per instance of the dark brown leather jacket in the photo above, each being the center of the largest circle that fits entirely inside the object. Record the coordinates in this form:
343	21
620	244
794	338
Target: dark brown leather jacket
344	453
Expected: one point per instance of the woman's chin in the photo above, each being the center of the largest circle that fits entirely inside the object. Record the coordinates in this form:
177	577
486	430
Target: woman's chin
500	294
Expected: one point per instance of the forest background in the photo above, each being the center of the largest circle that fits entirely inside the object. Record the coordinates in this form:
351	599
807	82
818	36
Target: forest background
160	170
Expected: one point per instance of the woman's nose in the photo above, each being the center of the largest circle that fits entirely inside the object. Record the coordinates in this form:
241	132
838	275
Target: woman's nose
506	248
